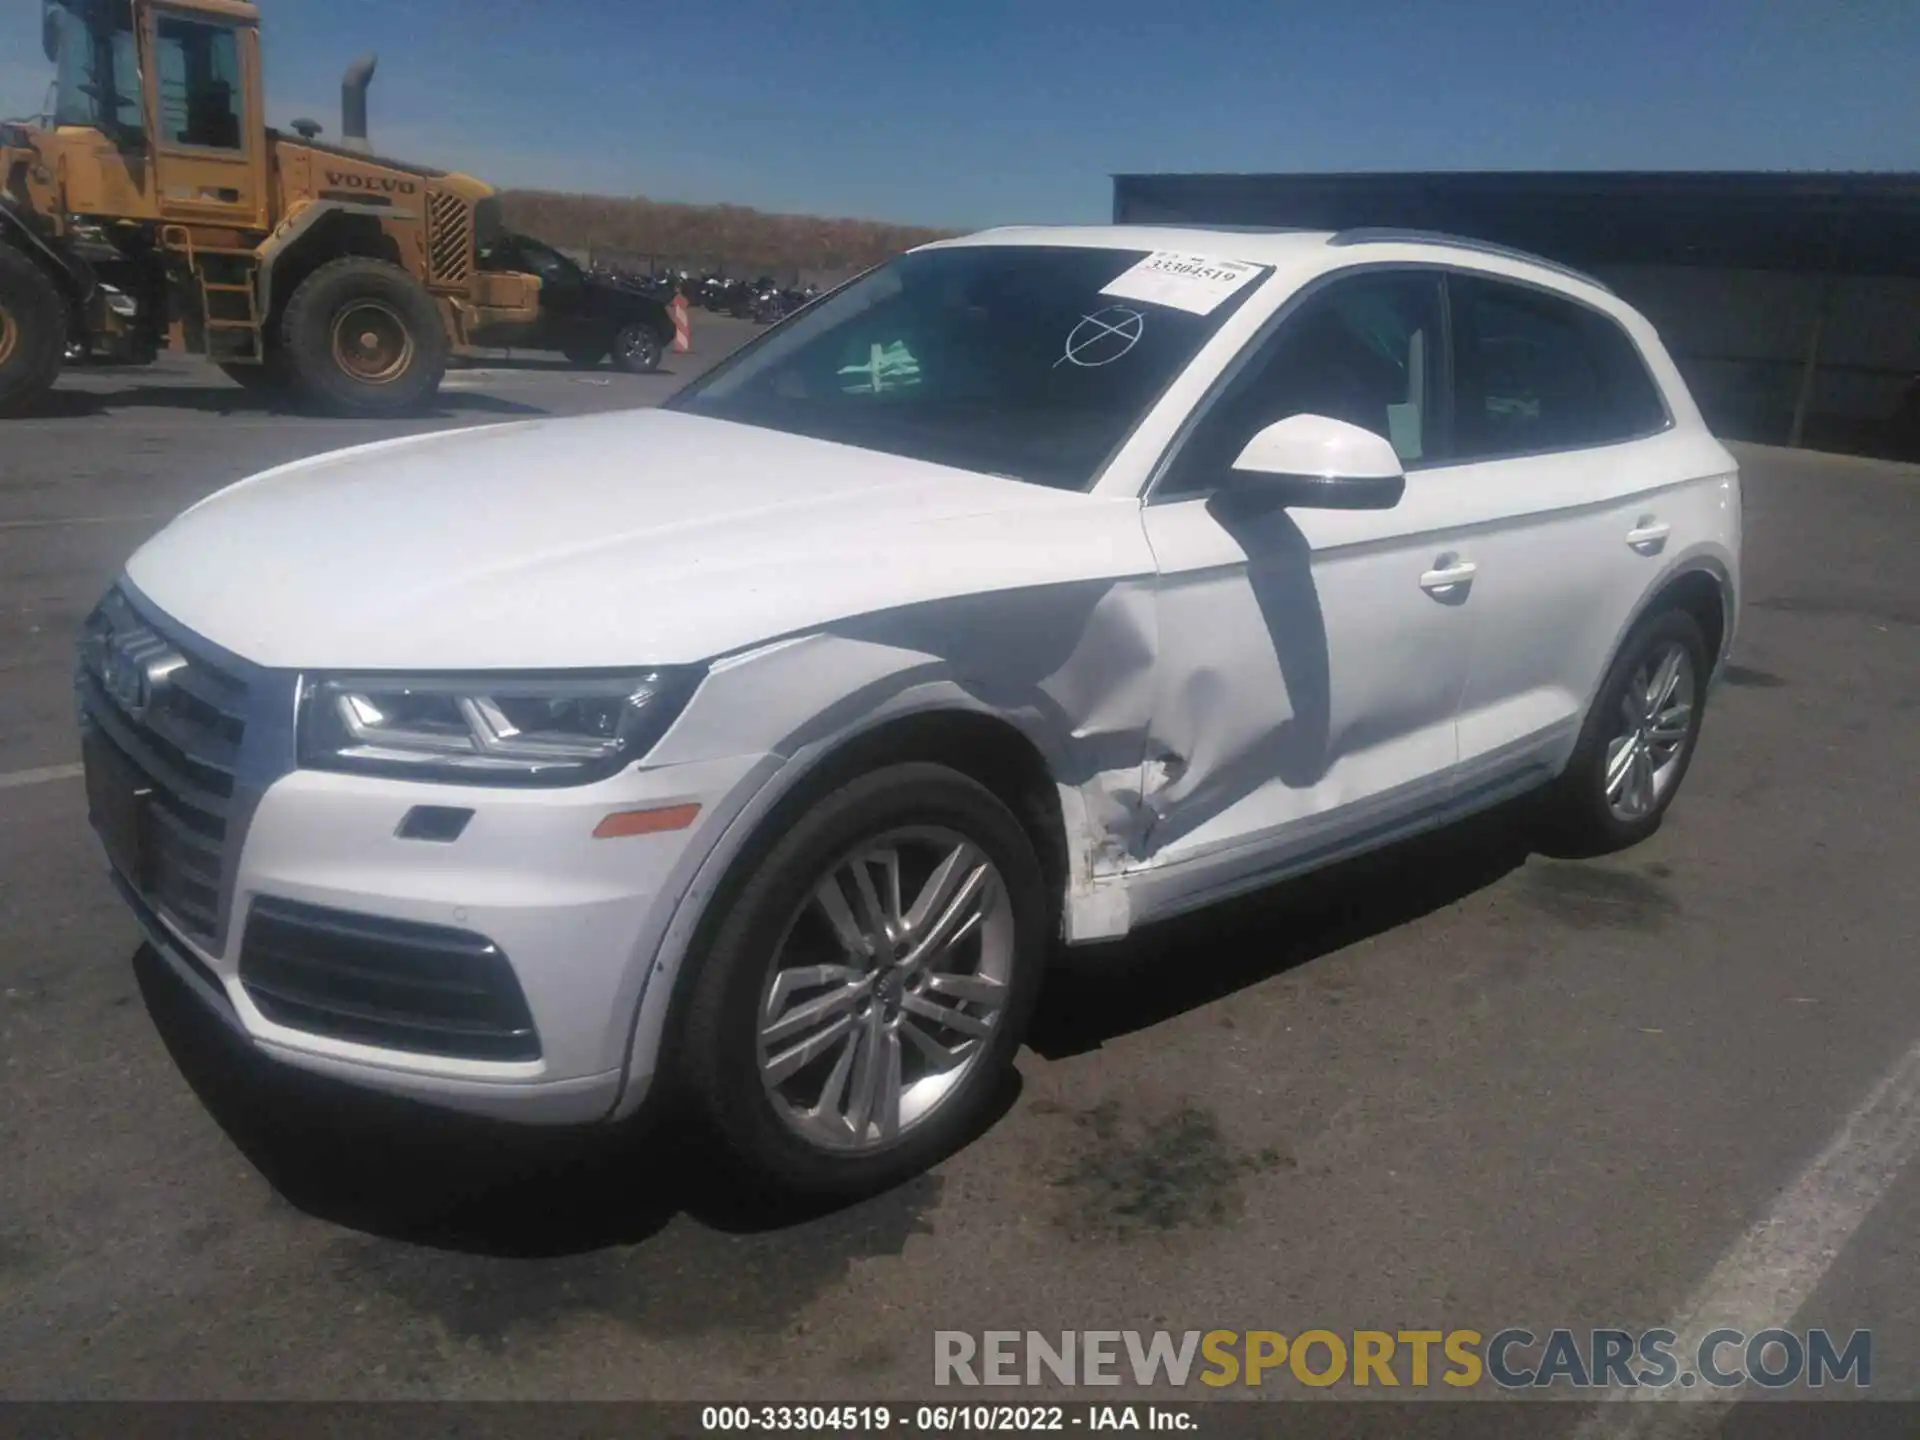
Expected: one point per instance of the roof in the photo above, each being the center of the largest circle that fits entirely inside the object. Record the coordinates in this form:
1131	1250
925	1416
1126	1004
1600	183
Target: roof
1275	246
1259	245
1842	221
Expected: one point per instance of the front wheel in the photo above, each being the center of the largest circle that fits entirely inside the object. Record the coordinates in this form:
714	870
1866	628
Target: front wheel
868	988
1638	739
362	337
637	349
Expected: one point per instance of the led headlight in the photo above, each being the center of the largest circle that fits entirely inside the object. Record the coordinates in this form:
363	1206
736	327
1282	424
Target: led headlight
489	729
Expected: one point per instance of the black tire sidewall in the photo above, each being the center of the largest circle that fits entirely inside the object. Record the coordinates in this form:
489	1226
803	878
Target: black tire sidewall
718	1059
1582	814
306	345
40	329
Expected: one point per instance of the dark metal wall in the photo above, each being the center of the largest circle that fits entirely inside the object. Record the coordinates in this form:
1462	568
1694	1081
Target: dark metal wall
1791	302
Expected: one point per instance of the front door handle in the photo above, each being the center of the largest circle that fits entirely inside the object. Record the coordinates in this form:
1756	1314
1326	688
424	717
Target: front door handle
1450	576
1649	535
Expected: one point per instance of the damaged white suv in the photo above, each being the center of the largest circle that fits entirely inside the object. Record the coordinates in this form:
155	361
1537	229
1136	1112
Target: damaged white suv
1032	587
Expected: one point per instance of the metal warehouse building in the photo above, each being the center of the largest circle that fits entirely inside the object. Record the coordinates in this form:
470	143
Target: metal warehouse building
1791	302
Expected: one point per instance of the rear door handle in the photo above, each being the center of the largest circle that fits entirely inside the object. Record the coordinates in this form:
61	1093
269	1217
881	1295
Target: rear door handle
1649	535
1448	575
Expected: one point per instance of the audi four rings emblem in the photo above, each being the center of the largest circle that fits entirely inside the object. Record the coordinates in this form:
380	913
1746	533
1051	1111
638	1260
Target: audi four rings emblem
136	670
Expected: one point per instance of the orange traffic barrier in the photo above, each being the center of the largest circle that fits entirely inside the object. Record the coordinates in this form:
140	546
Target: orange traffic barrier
682	326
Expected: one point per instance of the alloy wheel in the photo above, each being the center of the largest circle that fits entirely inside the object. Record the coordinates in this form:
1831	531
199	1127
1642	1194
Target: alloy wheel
885	987
1649	744
638	347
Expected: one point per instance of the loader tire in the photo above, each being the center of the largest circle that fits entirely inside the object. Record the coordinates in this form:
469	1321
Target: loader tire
362	337
33	332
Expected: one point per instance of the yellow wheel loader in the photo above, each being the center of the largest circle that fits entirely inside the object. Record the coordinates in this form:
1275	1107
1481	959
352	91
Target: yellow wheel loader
153	208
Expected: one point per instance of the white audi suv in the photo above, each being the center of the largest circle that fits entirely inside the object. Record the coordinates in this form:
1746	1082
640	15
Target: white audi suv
1031	587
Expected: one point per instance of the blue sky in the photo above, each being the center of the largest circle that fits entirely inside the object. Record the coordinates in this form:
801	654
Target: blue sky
965	112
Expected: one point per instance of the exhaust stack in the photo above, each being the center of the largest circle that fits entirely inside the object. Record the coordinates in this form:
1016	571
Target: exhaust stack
353	104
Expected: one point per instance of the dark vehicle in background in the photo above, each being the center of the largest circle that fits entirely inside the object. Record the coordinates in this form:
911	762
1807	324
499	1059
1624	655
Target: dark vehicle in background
584	315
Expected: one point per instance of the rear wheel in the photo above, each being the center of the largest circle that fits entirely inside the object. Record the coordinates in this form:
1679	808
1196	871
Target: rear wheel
33	332
1638	739
362	337
637	348
864	995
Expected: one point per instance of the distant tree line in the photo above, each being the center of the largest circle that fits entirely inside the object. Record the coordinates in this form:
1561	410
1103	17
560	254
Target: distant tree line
722	235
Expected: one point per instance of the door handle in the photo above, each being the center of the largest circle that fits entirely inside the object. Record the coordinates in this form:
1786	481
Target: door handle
1649	535
1448	574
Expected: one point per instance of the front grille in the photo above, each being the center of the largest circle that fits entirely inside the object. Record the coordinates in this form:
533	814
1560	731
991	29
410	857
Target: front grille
449	238
399	984
176	720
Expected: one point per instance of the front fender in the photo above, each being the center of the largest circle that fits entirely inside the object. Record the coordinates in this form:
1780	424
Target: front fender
1083	703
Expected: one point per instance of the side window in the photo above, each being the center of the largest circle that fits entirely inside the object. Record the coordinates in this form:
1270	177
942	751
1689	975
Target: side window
1535	372
201	100
1364	350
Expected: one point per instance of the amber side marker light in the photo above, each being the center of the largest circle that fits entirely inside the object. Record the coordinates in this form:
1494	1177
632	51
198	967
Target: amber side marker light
645	822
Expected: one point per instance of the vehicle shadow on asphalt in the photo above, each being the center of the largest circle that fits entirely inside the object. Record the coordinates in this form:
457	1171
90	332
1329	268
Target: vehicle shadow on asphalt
231	400
1097	993
403	1171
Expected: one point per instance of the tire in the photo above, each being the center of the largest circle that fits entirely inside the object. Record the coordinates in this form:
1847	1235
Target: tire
638	348
1583	814
362	337
33	332
587	356
774	919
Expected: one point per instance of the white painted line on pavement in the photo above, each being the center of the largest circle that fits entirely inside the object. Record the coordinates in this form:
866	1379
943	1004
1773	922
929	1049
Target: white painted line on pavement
1775	1267
76	520
45	773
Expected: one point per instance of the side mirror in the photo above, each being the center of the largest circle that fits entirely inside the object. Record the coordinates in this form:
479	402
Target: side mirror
1319	463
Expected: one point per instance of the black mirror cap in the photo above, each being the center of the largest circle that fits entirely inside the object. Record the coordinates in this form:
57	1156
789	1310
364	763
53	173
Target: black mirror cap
1246	491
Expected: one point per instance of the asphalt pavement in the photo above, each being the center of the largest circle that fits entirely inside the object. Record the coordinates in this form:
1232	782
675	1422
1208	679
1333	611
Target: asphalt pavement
1457	1085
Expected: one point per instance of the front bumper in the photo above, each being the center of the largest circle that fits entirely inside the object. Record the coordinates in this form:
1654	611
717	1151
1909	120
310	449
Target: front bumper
495	966
577	918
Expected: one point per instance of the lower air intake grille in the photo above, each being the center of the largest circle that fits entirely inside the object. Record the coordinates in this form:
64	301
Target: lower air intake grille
392	983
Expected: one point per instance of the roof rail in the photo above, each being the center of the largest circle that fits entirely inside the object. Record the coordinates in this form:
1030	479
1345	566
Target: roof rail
1375	235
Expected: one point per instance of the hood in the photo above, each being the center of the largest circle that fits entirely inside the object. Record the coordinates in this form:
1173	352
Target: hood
632	538
610	290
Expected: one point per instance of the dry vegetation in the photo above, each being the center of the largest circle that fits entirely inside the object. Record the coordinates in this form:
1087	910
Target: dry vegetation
723	236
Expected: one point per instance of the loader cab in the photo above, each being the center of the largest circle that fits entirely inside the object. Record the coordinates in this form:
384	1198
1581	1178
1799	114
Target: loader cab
175	87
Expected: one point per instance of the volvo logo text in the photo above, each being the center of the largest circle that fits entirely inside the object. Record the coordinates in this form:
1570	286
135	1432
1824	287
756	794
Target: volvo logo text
386	184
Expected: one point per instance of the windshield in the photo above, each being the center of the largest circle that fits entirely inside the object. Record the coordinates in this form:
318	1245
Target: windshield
96	67
547	262
1028	362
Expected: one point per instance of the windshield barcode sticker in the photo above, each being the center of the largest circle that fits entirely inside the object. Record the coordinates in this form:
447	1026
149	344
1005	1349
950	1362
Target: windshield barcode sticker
1194	283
